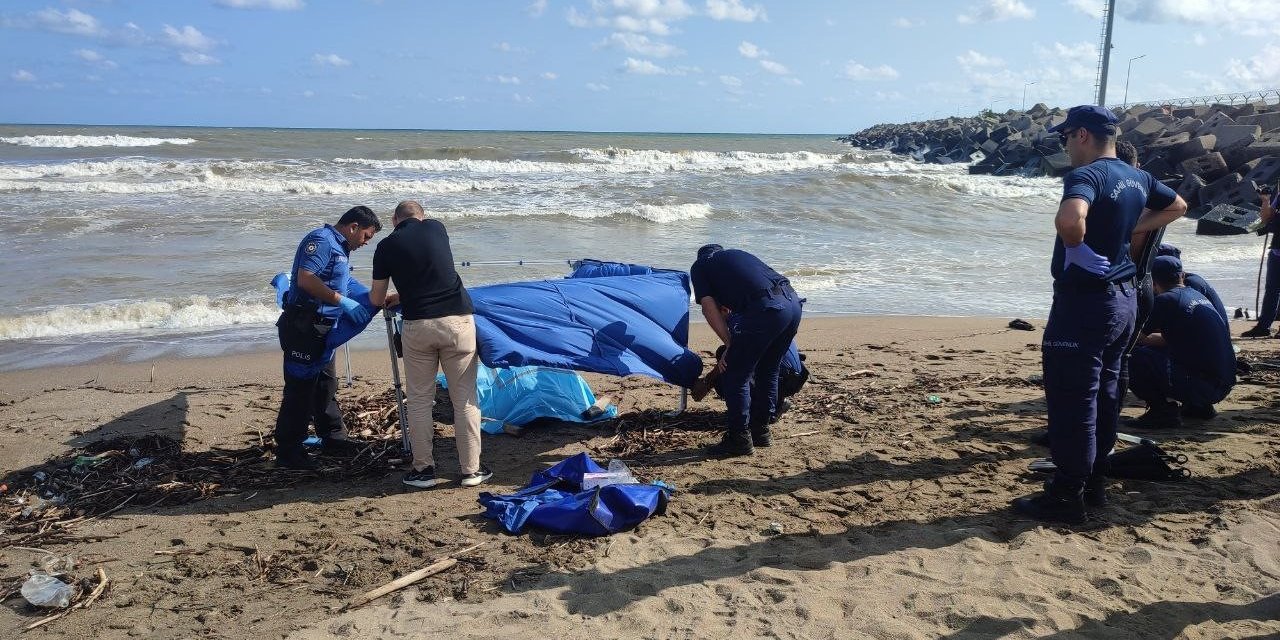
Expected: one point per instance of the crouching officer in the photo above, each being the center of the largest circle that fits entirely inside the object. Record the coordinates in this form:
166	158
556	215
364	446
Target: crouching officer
316	300
1094	307
1187	355
768	311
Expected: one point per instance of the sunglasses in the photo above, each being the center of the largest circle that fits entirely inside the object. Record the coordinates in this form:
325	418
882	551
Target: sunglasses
1066	135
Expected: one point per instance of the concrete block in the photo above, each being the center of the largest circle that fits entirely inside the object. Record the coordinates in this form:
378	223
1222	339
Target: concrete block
1209	166
1186	112
1022	123
1190	188
1266	171
1269	121
1127	124
1226	220
1168	140
1212	123
1236	135
1001	133
1054	120
989	146
1194	148
1159	167
1189	125
1055	165
1213	192
1146	131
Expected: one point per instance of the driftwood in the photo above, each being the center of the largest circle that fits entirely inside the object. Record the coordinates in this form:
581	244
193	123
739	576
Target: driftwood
403	581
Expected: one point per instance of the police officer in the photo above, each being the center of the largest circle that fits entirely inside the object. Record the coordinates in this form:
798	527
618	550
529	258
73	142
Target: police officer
1094	307
1196	281
1271	296
1186	356
768	312
317	300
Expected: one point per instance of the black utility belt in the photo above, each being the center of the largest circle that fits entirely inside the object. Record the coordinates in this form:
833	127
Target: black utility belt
1098	286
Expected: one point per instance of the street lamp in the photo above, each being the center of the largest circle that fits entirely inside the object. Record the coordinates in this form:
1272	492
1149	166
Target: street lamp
1024	93
1126	79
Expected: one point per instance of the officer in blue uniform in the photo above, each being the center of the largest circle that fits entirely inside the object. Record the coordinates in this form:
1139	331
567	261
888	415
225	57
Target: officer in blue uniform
1186	356
316	301
768	312
1195	281
1271	295
1094	307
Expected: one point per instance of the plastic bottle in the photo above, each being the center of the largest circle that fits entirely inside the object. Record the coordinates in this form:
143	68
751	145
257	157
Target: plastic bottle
46	591
618	473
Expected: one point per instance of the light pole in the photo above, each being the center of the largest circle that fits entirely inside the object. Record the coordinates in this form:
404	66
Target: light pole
1024	93
1126	79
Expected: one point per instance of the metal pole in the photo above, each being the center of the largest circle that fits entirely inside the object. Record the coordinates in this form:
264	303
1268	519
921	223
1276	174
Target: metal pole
1125	105
1106	53
395	379
347	347
1024	93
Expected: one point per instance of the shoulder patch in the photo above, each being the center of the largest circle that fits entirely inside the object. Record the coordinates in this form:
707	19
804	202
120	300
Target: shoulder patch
310	248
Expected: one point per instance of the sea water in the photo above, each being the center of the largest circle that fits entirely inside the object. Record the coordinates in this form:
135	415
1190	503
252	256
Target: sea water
136	242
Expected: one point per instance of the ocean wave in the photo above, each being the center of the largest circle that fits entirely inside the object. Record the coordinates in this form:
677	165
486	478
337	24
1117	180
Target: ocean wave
69	142
621	160
453	153
211	182
656	213
195	312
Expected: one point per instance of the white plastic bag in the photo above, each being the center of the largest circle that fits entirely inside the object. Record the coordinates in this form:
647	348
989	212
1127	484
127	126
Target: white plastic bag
44	590
618	473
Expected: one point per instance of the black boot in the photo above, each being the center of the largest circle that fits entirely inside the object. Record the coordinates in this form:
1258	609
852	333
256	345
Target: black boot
1055	504
734	443
1163	414
760	436
1095	491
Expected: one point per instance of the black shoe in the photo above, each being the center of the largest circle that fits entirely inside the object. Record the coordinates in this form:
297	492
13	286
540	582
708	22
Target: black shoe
339	448
473	479
1041	438
1095	492
1199	412
1257	332
1052	505
424	479
1161	415
784	406
761	437
299	462
733	444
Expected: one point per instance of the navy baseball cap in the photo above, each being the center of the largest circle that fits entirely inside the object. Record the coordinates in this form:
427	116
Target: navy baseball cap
1166	267
1088	116
1168	250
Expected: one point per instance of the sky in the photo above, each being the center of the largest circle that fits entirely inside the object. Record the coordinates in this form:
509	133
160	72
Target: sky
768	66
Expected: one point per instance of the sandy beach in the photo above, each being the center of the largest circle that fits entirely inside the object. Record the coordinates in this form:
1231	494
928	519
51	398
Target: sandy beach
877	513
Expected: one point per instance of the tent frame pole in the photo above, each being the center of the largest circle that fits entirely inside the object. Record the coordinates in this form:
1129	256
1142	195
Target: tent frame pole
684	403
395	378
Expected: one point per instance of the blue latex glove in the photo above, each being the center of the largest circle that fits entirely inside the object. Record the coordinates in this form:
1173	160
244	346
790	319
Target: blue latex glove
353	310
1084	257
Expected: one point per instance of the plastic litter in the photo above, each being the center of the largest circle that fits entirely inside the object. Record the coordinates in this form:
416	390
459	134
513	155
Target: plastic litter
618	473
40	476
143	462
44	590
775	528
932	399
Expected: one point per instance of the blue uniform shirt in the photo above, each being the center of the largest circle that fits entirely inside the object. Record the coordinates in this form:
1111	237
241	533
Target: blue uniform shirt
733	278
323	252
1197	337
1116	193
1199	284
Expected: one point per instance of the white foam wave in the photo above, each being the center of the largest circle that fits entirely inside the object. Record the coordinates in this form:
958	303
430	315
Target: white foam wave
616	160
211	182
68	142
656	213
195	312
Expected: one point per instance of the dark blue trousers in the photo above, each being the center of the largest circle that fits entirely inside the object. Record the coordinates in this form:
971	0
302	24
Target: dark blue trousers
1270	295
305	401
1084	340
1155	378
756	348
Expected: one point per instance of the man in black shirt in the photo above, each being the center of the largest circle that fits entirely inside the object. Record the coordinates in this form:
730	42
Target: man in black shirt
439	333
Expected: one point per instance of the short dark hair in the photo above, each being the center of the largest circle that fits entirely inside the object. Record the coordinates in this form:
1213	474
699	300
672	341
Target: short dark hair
361	215
1104	135
1167	279
1127	152
708	250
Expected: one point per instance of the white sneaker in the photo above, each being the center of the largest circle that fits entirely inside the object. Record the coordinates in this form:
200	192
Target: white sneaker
473	479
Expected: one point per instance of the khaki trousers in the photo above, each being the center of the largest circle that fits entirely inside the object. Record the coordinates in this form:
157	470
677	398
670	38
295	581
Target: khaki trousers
447	343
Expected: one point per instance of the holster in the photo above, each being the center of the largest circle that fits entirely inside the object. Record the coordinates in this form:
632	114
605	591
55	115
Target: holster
302	332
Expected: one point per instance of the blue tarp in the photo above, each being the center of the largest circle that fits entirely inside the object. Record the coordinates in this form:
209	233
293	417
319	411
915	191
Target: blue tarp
589	268
554	501
342	332
520	395
616	325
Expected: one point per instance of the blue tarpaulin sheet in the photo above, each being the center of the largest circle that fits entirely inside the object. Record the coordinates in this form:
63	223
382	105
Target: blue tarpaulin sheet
520	395
616	325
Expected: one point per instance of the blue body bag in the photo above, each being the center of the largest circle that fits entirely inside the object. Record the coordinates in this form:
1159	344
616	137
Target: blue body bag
554	501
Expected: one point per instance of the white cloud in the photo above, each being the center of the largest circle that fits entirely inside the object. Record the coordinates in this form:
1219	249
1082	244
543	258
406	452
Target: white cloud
1263	68
22	75
1091	8
94	58
643	67
330	60
1239	17
72	22
548	75
507	47
197	59
521	98
1080	52
597	87
733	10
907	23
971	59
730	81
277	5
887	96
774	67
829	22
750	50
640	44
855	70
636	16
189	38
997	11
501	79
793	81
536	8
1199	40
308	94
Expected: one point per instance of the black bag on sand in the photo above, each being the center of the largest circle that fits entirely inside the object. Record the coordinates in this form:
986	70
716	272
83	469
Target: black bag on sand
1146	461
